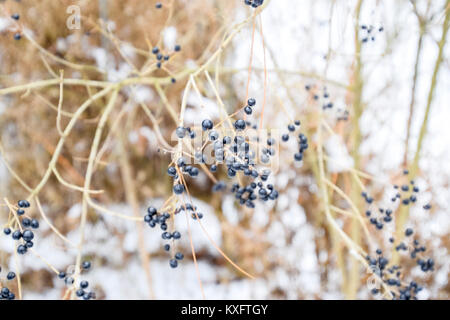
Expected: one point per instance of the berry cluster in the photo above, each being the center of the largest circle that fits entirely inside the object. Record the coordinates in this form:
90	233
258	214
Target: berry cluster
6	293
302	140
152	218
82	293
238	154
17	35
191	209
81	290
392	275
326	102
235	151
22	232
160	57
407	194
254	3
368	32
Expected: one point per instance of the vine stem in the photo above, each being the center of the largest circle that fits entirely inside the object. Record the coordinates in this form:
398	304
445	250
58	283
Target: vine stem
414	167
88	178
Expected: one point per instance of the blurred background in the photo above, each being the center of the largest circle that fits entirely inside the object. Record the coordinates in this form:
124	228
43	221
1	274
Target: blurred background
368	79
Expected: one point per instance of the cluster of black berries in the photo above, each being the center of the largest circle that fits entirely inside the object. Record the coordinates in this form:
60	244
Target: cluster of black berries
161	57
407	193
181	132
254	3
327	104
369	32
26	235
6	293
392	275
384	215
415	251
182	163
252	191
248	108
343	116
191	209
377	219
17	35
152	218
238	156
255	189
237	153
308	88
178	187
81	291
302	140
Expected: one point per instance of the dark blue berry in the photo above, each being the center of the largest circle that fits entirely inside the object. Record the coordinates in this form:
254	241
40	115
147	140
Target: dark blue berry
171	171
79	292
207	124
23	204
28	235
179	256
21	249
298	156
34	223
173	263
239	124
178	189
181	132
176	235
17	235
86	265
26	222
